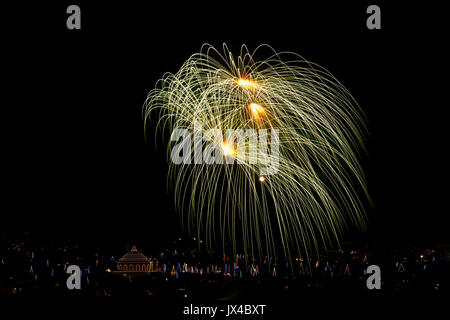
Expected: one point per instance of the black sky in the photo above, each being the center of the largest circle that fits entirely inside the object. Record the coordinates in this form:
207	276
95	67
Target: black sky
75	159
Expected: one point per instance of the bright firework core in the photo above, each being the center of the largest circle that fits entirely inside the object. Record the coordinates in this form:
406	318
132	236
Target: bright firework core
246	83
256	109
227	150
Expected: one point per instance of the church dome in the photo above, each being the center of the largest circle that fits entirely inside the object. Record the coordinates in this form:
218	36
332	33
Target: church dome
134	263
134	256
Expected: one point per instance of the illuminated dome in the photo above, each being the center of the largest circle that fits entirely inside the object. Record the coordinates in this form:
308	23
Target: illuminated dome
134	263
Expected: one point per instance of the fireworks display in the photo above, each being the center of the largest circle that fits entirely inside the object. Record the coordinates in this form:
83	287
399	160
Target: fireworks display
298	119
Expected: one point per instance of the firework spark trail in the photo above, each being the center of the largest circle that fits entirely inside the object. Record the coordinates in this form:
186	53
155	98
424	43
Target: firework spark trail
313	196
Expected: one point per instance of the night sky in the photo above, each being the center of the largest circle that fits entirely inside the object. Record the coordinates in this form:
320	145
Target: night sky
75	159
